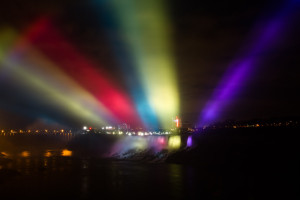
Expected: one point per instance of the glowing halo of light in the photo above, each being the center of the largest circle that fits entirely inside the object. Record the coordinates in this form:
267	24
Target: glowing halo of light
27	79
145	31
242	67
40	66
126	64
43	35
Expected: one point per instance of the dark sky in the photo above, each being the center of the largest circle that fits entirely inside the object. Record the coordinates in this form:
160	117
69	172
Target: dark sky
207	36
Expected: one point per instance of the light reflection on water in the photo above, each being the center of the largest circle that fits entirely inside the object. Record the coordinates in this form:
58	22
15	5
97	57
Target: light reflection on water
48	153
49	146
52	167
33	153
66	152
36	167
25	154
89	178
4	154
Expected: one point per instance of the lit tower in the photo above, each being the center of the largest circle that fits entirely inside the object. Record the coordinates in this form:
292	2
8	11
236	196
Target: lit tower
177	122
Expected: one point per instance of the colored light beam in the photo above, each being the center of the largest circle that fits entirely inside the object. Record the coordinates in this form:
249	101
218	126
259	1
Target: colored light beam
146	31
46	38
243	67
40	66
38	86
125	63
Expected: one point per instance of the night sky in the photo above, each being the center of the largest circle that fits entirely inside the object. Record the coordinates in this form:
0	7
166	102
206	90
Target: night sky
206	37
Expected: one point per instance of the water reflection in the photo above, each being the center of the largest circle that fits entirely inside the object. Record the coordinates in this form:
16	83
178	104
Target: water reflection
25	154
56	164
45	147
62	145
48	153
4	154
176	180
66	152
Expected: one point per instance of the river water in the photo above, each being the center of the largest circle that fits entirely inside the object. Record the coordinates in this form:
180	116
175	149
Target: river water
91	166
133	167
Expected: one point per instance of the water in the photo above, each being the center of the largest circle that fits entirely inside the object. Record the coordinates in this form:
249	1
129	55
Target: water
90	166
225	165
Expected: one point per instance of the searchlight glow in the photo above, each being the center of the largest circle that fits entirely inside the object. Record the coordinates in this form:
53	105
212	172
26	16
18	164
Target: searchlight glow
145	30
37	84
242	67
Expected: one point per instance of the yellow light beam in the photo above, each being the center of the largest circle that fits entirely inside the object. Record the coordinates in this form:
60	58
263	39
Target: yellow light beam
43	89
146	30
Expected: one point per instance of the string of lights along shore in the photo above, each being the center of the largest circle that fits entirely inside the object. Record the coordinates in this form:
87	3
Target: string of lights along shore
51	71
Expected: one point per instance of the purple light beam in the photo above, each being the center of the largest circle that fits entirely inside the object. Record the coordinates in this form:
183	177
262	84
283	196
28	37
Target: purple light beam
242	68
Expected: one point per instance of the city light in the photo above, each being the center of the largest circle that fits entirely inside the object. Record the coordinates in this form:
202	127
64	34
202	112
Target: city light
4	154
66	153
25	154
48	153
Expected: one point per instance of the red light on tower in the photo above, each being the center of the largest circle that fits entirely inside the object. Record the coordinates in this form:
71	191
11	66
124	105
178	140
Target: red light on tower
90	128
177	122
